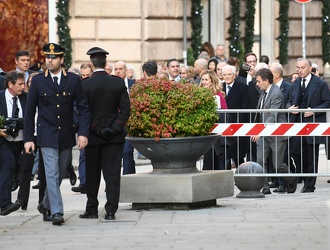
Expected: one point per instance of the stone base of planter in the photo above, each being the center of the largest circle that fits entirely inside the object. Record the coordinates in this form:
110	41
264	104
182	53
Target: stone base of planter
176	191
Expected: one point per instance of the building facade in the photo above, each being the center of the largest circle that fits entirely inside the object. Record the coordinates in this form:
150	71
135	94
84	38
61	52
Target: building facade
139	30
136	31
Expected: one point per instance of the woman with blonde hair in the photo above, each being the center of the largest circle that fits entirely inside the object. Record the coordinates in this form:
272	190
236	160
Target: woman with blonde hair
214	159
209	79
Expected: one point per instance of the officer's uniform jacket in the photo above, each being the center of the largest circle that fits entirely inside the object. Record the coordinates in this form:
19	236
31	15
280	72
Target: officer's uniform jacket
54	106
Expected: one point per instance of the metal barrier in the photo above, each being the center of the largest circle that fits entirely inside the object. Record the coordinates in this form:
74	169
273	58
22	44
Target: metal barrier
298	130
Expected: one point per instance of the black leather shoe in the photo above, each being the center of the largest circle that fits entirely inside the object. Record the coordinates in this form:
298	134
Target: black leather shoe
58	219
266	191
22	204
72	174
45	212
80	189
280	189
86	215
10	208
292	187
307	190
110	217
37	186
328	181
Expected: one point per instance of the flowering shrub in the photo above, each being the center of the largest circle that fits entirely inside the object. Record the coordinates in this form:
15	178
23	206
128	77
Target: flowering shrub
161	108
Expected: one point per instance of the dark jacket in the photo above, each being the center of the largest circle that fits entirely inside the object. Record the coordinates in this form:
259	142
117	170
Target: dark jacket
3	106
2	82
238	98
109	105
55	123
318	97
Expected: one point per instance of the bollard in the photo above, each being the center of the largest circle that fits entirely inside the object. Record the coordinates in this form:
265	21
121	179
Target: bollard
249	186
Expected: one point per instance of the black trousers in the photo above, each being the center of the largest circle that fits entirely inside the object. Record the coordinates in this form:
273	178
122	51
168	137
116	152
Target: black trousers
16	148
7	168
25	177
306	160
105	157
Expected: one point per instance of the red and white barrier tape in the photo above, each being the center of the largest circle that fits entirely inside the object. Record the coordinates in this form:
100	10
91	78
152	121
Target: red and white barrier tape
272	129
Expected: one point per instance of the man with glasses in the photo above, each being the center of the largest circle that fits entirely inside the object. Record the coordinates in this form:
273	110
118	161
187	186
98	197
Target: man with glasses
251	60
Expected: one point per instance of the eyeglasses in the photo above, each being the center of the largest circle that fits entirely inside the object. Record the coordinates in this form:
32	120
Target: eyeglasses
254	61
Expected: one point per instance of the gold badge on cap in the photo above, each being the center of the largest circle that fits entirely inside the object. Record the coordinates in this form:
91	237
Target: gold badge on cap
51	48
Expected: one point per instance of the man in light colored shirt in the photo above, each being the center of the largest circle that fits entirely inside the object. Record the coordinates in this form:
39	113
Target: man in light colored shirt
22	61
12	105
173	69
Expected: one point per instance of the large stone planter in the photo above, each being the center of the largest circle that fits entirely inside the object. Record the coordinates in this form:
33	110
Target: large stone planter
174	155
175	182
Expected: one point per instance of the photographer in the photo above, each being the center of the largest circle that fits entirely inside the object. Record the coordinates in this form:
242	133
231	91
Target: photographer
12	105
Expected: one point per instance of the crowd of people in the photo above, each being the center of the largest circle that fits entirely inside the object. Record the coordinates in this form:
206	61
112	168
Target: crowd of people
53	109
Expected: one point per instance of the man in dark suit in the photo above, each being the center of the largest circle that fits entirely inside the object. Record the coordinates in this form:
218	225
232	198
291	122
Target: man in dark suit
128	155
22	61
308	91
271	98
2	82
285	87
12	105
110	108
54	94
237	97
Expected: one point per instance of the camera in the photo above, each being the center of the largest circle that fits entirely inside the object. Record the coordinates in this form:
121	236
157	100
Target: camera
13	125
245	67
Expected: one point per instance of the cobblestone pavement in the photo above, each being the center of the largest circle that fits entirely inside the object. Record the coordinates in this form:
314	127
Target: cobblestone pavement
279	221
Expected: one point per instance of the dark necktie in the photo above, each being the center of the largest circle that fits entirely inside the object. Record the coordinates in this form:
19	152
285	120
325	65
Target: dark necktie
229	88
303	86
55	78
15	108
263	100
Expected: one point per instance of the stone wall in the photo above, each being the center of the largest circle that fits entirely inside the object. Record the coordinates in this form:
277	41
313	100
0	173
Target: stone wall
134	31
139	30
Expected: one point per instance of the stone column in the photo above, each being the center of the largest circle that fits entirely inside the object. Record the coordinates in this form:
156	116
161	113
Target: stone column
217	22
267	29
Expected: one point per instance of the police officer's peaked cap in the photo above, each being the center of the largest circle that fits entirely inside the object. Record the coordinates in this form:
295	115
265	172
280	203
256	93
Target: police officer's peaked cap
97	52
53	50
36	66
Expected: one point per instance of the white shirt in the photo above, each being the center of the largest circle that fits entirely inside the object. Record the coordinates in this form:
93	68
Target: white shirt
176	79
126	84
9	103
58	76
248	78
308	78
266	92
26	74
227	89
278	84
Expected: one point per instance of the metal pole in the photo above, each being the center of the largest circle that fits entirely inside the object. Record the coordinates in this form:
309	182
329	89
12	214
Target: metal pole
304	30
184	54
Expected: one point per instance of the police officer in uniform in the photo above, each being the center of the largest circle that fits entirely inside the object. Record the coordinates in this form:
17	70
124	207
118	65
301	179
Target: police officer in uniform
110	108
53	95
